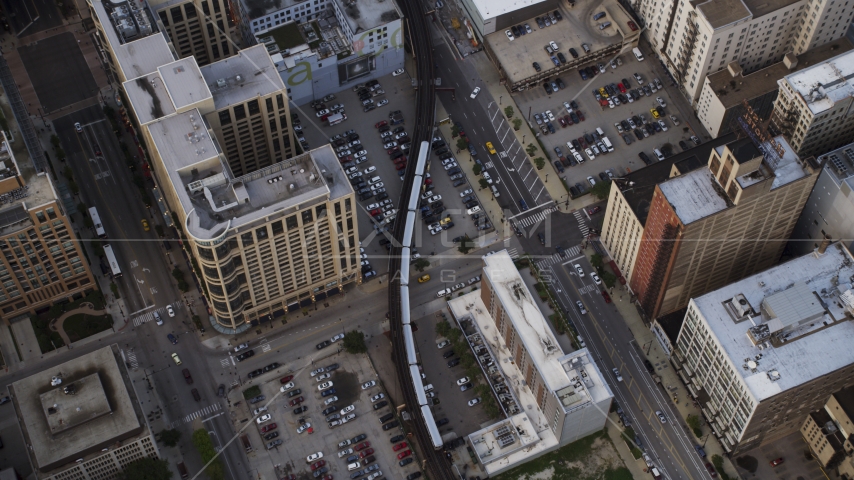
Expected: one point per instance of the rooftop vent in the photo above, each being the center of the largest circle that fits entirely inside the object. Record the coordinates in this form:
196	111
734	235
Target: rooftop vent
773	375
220	82
741	305
239	78
292	186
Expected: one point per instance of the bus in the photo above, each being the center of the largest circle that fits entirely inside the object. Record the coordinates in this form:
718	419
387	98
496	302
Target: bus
96	220
111	259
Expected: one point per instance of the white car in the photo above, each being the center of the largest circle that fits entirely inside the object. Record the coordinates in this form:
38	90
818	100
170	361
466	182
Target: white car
170	311
323	376
368	385
348	418
347	409
662	125
397	72
344	443
595	278
674	120
661	102
305	426
316	371
549	114
323	112
427	194
590	154
386	134
447	161
554	46
370	170
617	374
466	192
376	397
361	153
325	385
78	127
336	338
475	92
474	401
377	186
567	106
509	35
400	135
287	387
463	381
443	293
372	206
259	410
661	416
458	286
382	102
435	230
240	347
330	400
345	452
450	165
313	457
486	177
579	270
443	344
375	475
638	78
263	418
434	198
351	170
388	145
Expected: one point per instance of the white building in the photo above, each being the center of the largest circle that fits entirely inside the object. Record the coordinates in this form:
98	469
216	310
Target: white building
706	36
813	108
761	353
568	392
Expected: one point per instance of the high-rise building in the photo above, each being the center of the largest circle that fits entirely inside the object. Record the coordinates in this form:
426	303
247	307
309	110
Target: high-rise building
829	211
813	109
715	225
251	117
550	398
760	354
697	38
82	418
42	260
828	432
204	29
724	92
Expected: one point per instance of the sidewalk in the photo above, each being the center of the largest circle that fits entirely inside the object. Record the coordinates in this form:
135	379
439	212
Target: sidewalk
671	384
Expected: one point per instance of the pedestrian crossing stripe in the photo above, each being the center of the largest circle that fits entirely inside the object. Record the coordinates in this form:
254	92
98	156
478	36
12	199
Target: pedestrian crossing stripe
265	347
537	217
557	258
200	413
149	316
225	362
513	252
131	357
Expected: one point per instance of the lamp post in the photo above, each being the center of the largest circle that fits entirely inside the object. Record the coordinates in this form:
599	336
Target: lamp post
500	97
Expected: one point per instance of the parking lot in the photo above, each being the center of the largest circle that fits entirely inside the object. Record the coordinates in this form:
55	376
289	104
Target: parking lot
305	416
625	157
446	205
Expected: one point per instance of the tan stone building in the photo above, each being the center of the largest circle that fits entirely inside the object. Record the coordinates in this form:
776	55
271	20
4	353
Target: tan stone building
42	260
204	29
829	432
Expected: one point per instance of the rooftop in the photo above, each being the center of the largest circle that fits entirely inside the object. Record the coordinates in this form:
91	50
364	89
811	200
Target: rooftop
367	15
671	323
36	191
139	47
743	150
217	201
491	9
720	13
262	8
731	90
60	427
236	79
149	98
760	8
803	347
694	196
184	82
509	442
840	163
845	398
826	83
641	183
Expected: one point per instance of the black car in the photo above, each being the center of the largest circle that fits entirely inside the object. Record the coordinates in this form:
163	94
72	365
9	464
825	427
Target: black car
548	87
575	119
562	58
454	171
537	66
406	461
221	391
323	344
515	30
448	354
454	363
558	16
380	405
382	196
638	134
649	367
540	22
255	373
626	83
573	53
397	438
560	83
559	166
329	410
271	436
603	176
294	393
643	156
550	127
358	438
413	476
245	355
259	398
320	471
390	425
271	366
441	422
683	145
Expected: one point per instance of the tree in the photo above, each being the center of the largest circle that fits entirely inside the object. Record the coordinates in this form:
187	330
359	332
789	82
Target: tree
609	278
540	162
443	328
483	183
466	244
204	445
170	437
354	342
115	289
455	131
531	149
146	469
476	169
601	190
508	110
597	262
667	149
517	123
420	264
694	422
462	144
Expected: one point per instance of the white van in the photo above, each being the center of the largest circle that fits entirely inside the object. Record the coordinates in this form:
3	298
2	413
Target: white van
638	54
600	131
353	466
608	144
473	210
374	180
658	154
495	191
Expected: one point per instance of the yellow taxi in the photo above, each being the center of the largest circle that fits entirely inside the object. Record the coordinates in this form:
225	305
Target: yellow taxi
490	148
603	92
654	113
445	221
424	278
145	225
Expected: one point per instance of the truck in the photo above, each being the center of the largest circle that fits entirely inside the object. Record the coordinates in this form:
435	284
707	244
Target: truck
336	118
246	444
182	469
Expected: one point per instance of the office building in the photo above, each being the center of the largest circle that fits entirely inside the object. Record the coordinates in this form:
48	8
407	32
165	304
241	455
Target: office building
724	92
813	107
204	29
829	211
82	418
715	225
760	354
342	45
550	398
42	260
628	203
694	39
828	432
262	15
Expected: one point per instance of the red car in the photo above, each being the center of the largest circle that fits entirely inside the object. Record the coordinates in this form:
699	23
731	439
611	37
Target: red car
580	115
316	465
621	87
367	452
296	401
711	470
404	454
286	379
633	26
392	150
380	124
399	446
399	160
606	296
429	181
346	158
362	446
562	122
375	212
568	120
603	102
591	211
399	166
583	142
268	428
774	463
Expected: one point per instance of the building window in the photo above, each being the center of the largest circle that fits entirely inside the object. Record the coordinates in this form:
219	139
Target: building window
224	117
239	112
254	107
177	15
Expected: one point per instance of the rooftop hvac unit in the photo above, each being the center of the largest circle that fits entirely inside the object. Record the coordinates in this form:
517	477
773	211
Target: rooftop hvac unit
291	186
506	441
220	83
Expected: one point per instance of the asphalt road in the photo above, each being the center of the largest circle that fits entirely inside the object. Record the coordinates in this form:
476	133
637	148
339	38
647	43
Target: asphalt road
607	337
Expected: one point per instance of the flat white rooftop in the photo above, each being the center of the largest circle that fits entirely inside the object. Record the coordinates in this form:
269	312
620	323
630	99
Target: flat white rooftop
826	83
236	79
184	82
367	15
491	9
802	352
693	195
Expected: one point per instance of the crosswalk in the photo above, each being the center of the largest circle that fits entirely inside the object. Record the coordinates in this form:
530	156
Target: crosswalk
535	218
149	316
226	362
513	252
198	413
131	357
582	225
558	258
